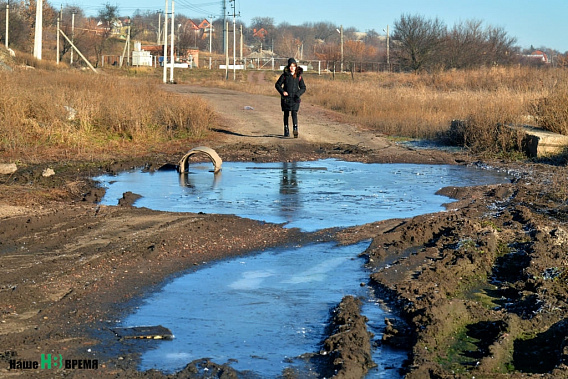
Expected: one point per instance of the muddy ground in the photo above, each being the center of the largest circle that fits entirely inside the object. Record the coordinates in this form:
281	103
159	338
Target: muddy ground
481	289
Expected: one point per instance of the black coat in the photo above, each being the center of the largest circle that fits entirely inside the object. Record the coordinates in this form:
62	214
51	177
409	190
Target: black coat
294	86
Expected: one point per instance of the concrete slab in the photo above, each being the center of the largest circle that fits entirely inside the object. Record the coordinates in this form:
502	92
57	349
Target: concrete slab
540	142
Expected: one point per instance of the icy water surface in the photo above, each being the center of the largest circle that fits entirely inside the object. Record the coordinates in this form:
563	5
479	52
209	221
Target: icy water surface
259	313
307	195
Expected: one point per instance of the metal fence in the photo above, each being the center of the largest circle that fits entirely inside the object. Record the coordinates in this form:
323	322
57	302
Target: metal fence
319	66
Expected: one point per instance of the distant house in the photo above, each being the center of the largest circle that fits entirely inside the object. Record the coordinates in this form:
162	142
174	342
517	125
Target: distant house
189	56
264	54
537	54
536	57
205	24
116	27
260	33
202	29
260	59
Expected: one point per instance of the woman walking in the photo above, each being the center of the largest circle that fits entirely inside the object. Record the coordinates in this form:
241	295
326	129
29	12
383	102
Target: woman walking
291	86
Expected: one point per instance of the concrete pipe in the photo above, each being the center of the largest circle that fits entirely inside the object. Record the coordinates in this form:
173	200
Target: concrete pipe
212	154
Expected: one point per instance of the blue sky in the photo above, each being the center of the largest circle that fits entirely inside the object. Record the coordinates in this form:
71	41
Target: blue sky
532	22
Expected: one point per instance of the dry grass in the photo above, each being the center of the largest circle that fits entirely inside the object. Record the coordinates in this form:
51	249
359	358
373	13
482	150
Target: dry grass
423	106
426	105
125	110
551	111
82	114
484	100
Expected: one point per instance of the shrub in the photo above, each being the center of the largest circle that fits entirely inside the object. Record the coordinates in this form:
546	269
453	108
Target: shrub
551	111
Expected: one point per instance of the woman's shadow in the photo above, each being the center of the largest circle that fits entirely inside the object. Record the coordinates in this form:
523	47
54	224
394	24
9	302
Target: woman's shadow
229	132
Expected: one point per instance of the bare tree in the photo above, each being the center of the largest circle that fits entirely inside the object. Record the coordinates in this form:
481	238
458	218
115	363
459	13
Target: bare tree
325	31
469	44
287	44
145	26
106	18
464	45
266	23
22	22
260	33
20	27
500	46
418	41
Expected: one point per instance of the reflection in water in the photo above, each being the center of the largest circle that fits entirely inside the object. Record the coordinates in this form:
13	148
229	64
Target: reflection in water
185	180
289	191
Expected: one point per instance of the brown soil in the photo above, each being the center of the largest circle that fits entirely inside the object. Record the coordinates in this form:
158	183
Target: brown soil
480	289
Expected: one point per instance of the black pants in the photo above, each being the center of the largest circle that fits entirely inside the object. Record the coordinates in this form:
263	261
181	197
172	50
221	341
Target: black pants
294	117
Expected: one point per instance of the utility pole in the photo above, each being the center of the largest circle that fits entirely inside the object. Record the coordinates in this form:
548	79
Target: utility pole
7	23
78	52
234	40
234	45
126	50
225	28
59	18
388	50
159	39
172	48
210	39
226	36
128	39
38	30
341	35
72	33
165	58
57	32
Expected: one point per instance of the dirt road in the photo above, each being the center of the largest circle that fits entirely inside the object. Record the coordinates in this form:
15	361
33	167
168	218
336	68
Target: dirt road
257	120
487	276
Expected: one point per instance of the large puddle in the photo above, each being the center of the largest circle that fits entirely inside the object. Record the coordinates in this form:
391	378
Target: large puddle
307	195
259	313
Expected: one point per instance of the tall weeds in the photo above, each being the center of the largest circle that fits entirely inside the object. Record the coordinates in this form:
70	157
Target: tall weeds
551	111
482	102
424	106
84	113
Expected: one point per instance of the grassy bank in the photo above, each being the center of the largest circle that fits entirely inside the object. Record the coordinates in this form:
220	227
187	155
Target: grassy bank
424	106
70	114
75	113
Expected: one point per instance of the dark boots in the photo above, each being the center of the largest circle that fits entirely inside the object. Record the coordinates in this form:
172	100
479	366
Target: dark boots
287	131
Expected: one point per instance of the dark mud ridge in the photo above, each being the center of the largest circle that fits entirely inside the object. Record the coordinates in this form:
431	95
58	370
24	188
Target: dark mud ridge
346	353
483	288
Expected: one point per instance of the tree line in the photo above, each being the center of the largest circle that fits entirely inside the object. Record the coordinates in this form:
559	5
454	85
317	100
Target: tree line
416	43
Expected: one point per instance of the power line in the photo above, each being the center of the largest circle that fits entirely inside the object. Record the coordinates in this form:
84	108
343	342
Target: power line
196	7
91	10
